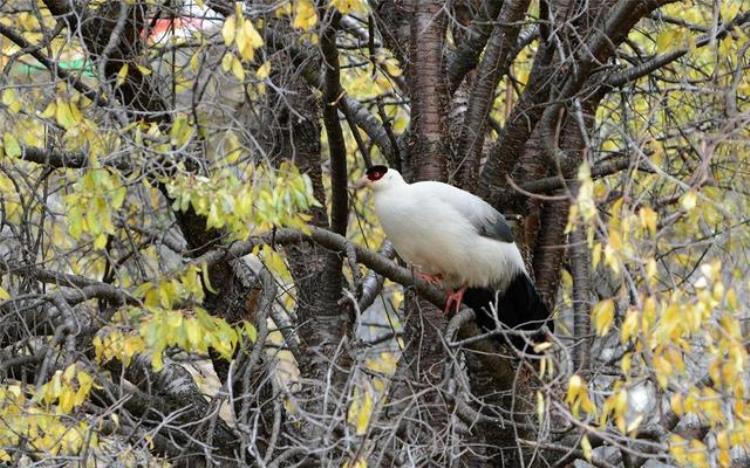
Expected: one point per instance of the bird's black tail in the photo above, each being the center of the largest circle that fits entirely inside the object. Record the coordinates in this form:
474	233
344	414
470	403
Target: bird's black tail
519	307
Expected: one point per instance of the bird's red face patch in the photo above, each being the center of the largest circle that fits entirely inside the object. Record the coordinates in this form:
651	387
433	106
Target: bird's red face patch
376	172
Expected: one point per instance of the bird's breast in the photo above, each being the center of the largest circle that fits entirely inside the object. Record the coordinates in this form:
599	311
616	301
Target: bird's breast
425	232
405	225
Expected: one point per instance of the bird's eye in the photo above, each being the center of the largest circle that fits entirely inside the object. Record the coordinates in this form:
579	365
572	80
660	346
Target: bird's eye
376	172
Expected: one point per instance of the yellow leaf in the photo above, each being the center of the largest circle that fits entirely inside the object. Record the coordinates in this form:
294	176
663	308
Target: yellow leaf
348	6
193	332
144	70
305	16
668	39
226	61
237	70
64	114
538	348
121	75
663	370
248	40
228	30
4	296
10	99
69	373
648	219
207	279
360	412
131	346
66	400
181	130
575	386
634	424
588	451
263	71
49	111
250	331
284	9
358	463
629	326
393	68
603	315
100	242
157	361
596	254
540	407
676	404
195	61
651	270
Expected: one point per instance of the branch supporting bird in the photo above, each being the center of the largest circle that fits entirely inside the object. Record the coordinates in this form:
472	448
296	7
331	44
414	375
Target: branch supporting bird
454	237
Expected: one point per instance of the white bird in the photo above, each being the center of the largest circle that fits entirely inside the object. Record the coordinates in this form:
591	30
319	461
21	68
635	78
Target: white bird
456	237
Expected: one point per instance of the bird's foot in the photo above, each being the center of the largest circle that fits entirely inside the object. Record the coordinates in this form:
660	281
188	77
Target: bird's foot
454	297
432	279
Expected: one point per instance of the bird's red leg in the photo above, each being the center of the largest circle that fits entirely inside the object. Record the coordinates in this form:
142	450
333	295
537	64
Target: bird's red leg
432	279
454	297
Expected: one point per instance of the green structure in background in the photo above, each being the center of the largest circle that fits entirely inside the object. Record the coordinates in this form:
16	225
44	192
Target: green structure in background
31	69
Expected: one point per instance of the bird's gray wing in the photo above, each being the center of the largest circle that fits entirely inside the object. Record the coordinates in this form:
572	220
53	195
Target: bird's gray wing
495	227
486	220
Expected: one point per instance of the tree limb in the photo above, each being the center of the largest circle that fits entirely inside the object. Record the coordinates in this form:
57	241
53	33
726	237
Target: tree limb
337	145
493	67
332	241
466	57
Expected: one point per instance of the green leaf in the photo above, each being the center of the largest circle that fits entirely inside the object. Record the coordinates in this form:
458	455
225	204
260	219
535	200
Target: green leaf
100	242
207	280
251	332
11	100
12	147
181	131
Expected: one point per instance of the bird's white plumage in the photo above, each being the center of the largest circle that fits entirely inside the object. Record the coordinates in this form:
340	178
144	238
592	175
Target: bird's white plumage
435	227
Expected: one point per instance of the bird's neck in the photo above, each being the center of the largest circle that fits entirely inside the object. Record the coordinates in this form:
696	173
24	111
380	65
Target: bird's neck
395	186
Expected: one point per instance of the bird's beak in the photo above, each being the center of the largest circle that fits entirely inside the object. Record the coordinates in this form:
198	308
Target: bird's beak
361	183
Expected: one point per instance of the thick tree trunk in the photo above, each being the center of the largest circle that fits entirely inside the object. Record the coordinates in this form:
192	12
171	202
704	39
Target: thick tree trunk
428	92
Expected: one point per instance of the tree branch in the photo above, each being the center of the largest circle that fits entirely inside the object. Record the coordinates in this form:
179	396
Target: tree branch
520	125
638	71
332	241
493	67
553	183
580	266
337	145
466	57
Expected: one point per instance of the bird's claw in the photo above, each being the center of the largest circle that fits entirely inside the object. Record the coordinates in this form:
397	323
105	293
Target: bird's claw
454	297
432	279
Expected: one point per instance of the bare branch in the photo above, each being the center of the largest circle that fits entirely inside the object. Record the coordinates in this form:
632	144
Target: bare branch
643	69
493	67
333	91
466	57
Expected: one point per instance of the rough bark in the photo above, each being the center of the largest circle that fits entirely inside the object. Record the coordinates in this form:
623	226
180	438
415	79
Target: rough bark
428	92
